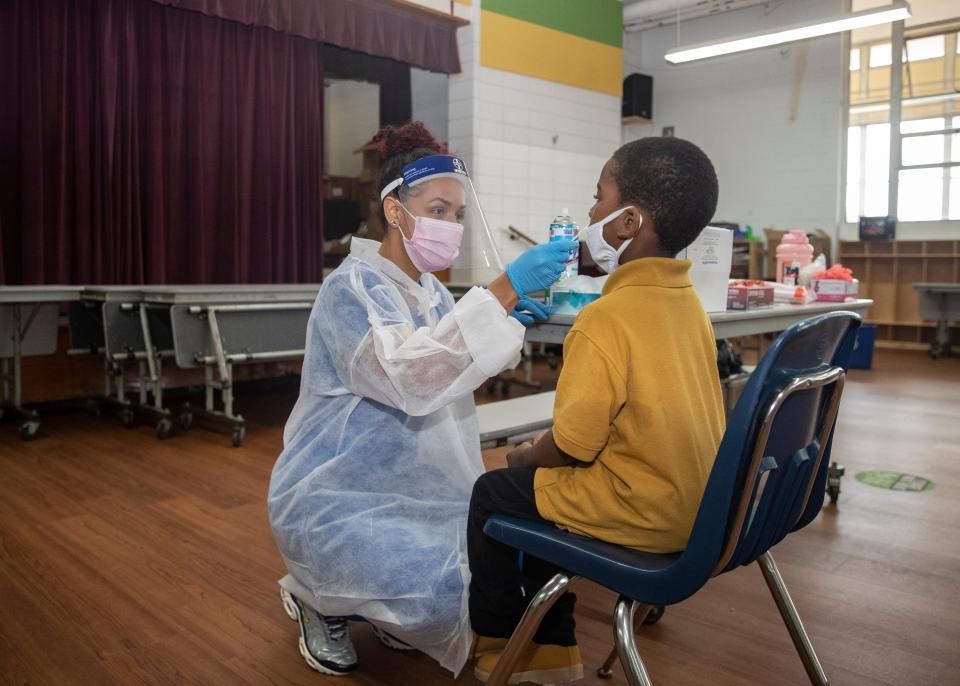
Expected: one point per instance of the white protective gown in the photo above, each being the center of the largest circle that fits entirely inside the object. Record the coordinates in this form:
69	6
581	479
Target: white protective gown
368	501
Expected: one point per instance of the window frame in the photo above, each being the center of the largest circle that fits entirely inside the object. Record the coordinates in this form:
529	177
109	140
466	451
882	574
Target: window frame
950	130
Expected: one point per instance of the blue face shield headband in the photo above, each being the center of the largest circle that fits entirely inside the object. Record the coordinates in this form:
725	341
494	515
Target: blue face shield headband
448	166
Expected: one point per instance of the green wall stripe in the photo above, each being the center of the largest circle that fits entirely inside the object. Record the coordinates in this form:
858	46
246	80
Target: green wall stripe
599	20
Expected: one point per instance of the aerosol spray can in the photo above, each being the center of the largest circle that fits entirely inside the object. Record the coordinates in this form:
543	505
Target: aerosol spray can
563	228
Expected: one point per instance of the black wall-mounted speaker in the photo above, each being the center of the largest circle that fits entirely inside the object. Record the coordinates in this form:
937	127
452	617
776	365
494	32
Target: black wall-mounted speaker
638	96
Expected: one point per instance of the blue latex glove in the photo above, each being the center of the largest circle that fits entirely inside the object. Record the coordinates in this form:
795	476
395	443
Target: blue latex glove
529	311
540	266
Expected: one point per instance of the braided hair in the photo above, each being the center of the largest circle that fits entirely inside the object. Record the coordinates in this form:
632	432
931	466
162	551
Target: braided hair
398	147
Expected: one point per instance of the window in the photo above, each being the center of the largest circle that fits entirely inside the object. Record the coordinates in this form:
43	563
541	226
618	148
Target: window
918	49
855	59
927	182
955	143
954	193
953	200
881	55
876	166
928	48
920	195
922	149
854	198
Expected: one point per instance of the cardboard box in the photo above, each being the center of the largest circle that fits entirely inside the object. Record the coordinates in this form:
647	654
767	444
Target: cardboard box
711	256
834	290
371	162
340	188
747	296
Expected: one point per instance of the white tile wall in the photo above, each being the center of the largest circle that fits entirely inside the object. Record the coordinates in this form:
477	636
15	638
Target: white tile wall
526	185
536	146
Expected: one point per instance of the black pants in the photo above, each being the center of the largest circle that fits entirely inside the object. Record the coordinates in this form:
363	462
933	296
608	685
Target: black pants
499	589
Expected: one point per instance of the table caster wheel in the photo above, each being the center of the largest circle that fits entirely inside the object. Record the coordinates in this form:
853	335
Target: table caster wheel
29	429
238	434
128	417
656	612
185	420
604	673
164	428
553	365
93	407
834	493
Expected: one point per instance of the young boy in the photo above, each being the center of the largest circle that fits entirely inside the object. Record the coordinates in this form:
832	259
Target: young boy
638	416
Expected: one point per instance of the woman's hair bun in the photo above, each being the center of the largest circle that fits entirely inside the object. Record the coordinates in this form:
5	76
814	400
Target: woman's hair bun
397	140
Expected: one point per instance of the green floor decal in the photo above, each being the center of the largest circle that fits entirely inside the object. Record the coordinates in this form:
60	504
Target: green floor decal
895	481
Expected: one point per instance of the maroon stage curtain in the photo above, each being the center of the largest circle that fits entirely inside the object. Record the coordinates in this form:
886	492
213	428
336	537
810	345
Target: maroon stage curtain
146	144
385	28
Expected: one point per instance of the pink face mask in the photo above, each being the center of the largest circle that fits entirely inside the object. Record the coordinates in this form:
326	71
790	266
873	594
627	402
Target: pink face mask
435	243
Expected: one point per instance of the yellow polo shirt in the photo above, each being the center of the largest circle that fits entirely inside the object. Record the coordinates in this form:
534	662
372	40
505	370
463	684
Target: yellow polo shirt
639	407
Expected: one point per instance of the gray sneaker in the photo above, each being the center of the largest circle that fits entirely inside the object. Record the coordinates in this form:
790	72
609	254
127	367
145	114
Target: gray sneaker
324	641
389	640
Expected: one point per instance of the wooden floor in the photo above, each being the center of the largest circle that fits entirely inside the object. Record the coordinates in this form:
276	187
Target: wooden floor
124	560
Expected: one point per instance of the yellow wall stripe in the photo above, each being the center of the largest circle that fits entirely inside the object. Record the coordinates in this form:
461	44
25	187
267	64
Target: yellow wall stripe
532	50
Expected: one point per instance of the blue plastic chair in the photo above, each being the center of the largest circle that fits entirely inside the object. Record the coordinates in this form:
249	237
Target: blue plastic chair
768	480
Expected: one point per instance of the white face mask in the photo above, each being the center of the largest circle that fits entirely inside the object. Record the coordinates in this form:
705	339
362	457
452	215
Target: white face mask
606	257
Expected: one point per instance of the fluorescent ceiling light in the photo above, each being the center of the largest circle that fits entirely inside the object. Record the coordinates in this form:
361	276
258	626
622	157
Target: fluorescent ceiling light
884	14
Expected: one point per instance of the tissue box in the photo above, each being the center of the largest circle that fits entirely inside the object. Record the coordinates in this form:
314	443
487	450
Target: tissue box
571	302
834	290
569	296
711	256
745	295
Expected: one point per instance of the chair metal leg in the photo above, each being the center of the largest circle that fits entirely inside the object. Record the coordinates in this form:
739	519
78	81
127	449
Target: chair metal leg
605	671
527	627
792	619
641	612
623	623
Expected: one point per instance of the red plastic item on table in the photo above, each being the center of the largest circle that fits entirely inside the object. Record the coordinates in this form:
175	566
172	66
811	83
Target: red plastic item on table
837	272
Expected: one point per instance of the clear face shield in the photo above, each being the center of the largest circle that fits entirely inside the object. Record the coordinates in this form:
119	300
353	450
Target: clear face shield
437	189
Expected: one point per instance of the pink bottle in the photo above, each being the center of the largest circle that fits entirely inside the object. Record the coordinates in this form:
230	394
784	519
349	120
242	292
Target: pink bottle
793	254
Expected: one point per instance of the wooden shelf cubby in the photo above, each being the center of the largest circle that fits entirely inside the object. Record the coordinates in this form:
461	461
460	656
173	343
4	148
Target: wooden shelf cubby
887	271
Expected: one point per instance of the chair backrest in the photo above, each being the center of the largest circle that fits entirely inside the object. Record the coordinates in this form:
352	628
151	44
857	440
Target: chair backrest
769	475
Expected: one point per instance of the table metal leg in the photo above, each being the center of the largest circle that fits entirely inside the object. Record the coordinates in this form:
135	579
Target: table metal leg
208	387
7	376
940	345
13	392
142	382
221	361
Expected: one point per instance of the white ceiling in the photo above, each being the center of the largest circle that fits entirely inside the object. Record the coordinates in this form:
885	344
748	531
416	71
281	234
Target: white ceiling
639	15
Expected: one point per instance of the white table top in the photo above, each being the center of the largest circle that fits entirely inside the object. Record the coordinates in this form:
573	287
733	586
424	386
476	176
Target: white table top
118	293
938	287
30	295
499	419
233	293
202	293
727	324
